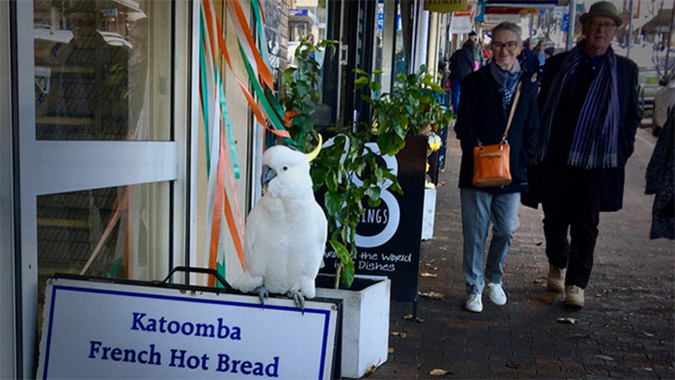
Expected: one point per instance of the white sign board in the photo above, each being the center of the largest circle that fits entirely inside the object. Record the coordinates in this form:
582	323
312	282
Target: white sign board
117	331
461	24
492	18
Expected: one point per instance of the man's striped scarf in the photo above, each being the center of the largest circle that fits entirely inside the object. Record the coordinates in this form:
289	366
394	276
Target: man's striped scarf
595	142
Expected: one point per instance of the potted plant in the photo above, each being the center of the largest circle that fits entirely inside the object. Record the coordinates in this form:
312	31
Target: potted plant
410	109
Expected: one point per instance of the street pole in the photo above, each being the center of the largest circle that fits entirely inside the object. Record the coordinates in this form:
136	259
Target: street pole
630	29
571	26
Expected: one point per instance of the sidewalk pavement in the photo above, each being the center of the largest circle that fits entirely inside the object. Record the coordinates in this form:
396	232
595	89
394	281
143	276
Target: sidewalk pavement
626	329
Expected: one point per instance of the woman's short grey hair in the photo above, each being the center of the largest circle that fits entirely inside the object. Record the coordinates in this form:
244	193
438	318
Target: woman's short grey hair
506	25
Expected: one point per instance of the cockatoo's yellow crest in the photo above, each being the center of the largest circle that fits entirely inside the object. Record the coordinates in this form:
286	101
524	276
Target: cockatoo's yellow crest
312	155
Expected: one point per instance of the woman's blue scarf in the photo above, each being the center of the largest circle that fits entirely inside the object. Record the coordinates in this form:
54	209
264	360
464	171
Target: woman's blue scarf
507	80
596	136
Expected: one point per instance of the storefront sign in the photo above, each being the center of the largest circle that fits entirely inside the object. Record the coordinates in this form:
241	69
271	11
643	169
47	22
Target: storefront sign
388	237
298	12
103	330
480	12
461	23
446	6
492	18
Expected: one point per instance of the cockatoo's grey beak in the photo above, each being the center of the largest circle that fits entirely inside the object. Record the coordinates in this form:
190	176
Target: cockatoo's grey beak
267	175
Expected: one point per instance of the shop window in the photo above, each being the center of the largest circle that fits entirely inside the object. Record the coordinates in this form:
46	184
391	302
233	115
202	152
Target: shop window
118	232
102	69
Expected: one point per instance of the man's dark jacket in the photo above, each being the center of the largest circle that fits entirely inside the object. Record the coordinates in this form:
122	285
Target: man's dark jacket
461	64
481	115
612	180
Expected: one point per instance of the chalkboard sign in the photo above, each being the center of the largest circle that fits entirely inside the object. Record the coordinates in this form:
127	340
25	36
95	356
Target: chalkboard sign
388	237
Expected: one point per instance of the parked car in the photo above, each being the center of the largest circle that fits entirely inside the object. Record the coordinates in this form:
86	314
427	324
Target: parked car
648	85
664	101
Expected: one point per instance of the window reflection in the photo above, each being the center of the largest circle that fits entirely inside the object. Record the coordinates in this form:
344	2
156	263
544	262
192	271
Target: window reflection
93	77
116	232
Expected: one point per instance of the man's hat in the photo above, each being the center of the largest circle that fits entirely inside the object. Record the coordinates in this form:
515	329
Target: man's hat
602	9
82	9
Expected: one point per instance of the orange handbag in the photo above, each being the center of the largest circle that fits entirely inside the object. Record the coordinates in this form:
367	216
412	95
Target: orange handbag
491	163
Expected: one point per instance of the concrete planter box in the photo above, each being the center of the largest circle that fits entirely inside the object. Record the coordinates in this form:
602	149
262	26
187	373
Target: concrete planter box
365	323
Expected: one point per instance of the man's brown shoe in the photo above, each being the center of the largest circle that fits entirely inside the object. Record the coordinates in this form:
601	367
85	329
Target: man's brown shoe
555	281
574	296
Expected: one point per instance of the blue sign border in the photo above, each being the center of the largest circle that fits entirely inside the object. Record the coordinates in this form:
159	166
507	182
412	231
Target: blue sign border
326	313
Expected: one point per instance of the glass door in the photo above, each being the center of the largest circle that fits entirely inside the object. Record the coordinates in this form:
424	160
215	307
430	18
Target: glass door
102	139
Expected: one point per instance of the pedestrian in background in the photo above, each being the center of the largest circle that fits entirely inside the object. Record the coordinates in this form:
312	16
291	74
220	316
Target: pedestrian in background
487	97
478	58
541	54
528	59
461	65
590	114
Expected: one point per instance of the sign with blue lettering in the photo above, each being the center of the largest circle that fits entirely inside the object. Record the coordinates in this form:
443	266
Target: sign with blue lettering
298	12
102	330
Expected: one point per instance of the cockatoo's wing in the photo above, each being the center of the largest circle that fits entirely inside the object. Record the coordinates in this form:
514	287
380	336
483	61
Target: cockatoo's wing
286	231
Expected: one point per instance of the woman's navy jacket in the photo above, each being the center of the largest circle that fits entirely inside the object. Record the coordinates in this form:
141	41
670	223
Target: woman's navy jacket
481	115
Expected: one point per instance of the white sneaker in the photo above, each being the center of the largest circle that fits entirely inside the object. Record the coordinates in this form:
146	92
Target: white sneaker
496	294
574	296
555	281
474	303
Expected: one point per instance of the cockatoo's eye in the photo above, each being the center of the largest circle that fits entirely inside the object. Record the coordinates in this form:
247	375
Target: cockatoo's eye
285	168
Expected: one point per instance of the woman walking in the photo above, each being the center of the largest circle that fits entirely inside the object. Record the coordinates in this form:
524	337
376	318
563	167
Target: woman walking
487	97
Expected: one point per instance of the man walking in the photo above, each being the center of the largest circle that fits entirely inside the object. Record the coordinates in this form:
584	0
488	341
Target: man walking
589	119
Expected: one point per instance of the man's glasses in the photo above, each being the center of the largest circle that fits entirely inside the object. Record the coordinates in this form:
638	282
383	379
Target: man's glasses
510	45
604	25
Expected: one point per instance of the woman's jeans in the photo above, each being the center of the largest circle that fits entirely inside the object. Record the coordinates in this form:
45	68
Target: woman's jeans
478	209
455	95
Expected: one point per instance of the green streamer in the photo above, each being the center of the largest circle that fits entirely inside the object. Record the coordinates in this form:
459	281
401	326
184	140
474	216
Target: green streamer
228	127
205	104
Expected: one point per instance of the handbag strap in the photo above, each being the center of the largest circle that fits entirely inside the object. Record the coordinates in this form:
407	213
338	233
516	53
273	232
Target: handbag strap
513	110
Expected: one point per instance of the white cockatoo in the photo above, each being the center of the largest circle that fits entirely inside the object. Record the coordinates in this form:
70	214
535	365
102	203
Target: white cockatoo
286	230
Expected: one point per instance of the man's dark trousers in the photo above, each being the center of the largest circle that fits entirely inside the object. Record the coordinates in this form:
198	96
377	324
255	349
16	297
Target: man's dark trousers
571	200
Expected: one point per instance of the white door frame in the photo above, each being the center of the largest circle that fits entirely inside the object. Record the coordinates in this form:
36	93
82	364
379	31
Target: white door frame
47	167
7	248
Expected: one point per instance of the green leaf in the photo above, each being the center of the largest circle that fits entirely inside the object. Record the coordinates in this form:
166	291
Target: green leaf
303	89
318	174
437	88
360	82
347	276
396	187
366	98
341	251
374	203
373	193
384	142
359	71
287	76
375	86
333	202
331	180
304	122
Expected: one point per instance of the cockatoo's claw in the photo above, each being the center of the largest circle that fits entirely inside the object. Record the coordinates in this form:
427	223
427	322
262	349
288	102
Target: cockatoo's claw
262	294
299	300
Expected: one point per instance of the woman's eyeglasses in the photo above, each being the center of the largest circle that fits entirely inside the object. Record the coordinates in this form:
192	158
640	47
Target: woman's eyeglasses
509	45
